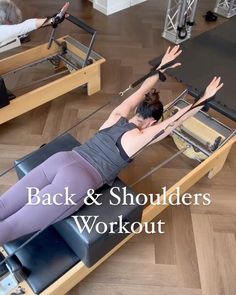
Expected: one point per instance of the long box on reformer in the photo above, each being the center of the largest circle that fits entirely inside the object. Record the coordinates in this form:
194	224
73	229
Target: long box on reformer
88	246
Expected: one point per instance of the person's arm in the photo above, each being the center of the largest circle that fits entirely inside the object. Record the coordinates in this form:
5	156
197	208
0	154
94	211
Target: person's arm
8	32
130	104
176	120
13	31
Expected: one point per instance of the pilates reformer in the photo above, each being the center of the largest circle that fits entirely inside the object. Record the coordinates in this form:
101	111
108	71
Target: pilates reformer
80	253
71	64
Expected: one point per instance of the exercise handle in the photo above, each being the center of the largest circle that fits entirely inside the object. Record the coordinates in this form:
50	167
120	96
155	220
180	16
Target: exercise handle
62	13
79	23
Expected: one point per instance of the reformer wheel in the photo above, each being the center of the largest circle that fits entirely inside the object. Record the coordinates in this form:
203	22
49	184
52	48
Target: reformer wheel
190	152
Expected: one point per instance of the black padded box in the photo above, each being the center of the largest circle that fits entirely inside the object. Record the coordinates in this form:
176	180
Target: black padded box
65	142
91	246
46	258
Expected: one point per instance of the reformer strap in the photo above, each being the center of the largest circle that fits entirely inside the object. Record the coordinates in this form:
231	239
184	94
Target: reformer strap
194	106
154	71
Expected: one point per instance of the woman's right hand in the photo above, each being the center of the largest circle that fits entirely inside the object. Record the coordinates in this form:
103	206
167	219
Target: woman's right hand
170	55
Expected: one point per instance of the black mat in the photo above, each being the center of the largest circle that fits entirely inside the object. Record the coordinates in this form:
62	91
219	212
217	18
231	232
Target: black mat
211	54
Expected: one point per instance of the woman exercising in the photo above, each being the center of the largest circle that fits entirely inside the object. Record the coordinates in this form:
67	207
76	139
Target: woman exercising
11	25
94	163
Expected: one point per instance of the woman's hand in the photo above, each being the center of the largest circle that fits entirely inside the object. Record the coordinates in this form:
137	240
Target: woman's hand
212	88
170	55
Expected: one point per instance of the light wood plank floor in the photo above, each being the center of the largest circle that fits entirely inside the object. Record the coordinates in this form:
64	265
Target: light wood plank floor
197	254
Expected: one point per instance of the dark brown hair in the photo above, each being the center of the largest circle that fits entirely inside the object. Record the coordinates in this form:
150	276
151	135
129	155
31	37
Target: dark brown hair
151	107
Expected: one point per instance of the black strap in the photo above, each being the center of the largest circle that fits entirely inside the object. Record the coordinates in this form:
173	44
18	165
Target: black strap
194	106
154	71
168	65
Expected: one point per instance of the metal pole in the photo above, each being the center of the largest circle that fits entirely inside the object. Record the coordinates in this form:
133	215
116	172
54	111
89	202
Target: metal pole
183	11
52	37
193	14
89	50
225	8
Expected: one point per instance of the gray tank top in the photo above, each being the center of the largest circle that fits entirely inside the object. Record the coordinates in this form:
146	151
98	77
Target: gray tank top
102	151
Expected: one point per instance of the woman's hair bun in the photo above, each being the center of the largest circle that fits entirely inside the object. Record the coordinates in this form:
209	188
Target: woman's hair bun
152	97
151	106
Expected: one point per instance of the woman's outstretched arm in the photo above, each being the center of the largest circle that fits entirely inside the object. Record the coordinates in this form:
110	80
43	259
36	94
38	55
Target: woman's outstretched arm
9	30
176	120
131	103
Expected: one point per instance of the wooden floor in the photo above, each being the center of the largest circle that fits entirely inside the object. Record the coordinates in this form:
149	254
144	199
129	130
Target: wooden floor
197	254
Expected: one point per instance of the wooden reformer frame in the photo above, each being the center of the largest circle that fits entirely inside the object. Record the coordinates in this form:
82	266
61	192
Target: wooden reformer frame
85	71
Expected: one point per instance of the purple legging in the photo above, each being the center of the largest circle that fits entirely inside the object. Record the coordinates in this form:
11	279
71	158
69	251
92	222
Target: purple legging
64	169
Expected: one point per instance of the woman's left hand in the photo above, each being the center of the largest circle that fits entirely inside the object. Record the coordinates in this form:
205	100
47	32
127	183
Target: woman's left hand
170	55
213	88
